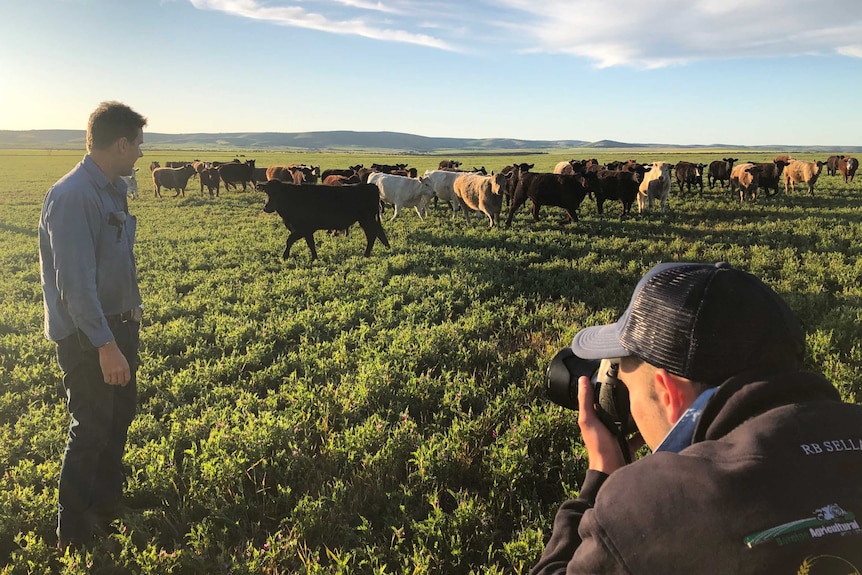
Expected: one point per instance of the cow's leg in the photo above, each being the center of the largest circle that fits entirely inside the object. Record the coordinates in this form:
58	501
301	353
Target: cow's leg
291	239
309	241
418	209
517	202
395	215
462	206
535	210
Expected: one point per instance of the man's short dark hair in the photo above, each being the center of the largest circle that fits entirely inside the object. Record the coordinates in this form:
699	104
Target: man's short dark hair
110	122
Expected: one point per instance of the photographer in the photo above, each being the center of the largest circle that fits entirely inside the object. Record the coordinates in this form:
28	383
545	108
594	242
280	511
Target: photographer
756	464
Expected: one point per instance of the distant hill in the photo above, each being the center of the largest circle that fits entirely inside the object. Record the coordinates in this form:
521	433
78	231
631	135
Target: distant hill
343	140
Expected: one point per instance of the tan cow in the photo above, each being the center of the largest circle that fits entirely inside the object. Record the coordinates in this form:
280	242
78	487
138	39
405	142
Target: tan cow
799	171
655	186
745	178
483	193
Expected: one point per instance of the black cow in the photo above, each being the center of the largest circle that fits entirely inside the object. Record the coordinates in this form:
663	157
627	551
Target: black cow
560	190
687	174
619	185
770	175
388	168
719	171
210	178
306	208
516	170
234	173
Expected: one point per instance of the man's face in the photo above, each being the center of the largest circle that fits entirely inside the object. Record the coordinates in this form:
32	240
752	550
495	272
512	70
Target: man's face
130	151
639	379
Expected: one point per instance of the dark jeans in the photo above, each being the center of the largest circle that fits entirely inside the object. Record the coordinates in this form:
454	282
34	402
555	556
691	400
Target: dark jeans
92	473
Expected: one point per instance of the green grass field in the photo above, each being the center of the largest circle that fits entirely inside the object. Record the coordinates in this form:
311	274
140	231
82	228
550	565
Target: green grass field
370	415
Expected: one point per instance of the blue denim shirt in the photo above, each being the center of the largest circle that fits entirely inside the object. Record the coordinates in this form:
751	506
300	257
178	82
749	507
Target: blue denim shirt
86	241
681	434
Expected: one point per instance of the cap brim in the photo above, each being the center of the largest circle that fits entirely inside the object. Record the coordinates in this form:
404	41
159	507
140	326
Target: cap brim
600	342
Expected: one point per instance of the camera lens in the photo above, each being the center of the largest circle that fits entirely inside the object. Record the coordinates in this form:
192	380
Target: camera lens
563	374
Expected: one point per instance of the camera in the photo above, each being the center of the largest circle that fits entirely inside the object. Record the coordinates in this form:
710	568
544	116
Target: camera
612	397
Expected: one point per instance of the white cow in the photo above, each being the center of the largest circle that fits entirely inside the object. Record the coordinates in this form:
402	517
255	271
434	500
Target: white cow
131	184
403	192
655	185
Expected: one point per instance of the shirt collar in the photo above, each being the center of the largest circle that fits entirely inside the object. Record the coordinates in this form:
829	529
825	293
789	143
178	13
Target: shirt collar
681	434
117	187
95	172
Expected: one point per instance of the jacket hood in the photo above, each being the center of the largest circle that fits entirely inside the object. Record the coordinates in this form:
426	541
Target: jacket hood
750	394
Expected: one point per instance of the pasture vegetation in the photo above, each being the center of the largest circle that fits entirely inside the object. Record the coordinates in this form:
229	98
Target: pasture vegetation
379	415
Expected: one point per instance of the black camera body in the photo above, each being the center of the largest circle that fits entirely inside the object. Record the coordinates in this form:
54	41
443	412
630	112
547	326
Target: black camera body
612	397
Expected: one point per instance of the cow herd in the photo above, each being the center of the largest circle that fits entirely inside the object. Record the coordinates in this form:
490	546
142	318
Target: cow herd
359	195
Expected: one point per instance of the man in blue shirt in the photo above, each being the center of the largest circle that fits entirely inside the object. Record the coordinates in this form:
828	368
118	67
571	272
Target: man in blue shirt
93	312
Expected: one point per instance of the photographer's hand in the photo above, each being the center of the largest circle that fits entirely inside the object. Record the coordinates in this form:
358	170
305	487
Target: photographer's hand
603	448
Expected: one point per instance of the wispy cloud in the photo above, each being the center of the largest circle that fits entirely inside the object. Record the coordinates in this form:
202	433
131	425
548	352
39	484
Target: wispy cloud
608	33
667	32
290	14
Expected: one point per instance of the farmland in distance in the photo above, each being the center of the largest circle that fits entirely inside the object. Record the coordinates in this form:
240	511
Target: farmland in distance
371	415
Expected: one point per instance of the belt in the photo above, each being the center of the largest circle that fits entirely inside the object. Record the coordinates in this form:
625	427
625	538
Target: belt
133	314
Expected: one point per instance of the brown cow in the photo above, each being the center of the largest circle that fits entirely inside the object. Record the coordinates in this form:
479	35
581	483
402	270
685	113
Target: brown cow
832	164
173	179
337	180
848	167
280	173
799	171
688	173
559	190
719	171
770	175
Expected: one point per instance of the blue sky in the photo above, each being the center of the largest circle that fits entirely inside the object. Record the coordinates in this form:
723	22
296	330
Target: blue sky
747	72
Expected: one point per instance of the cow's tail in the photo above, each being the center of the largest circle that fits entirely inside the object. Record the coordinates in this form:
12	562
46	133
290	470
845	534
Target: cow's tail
381	234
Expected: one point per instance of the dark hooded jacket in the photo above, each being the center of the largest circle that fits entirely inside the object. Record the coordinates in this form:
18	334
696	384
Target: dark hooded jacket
772	483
